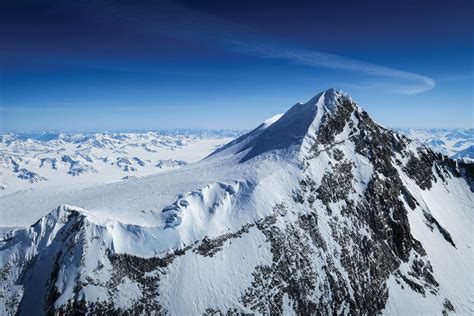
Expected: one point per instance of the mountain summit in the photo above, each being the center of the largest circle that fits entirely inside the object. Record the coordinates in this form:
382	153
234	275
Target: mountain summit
320	211
294	128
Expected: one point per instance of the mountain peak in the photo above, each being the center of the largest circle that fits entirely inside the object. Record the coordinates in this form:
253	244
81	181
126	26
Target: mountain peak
288	131
329	99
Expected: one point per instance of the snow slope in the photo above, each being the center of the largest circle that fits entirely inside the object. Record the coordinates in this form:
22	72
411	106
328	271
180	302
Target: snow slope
318	211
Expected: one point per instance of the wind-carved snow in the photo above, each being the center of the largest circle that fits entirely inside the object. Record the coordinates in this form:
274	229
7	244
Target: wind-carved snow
318	211
291	128
200	204
271	120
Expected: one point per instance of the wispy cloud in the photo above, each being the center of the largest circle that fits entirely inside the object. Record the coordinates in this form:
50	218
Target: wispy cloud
402	81
181	21
242	39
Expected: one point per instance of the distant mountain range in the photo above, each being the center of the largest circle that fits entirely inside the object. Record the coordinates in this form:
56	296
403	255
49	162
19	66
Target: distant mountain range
455	143
33	160
50	157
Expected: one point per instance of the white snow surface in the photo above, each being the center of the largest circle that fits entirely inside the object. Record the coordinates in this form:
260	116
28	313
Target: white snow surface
238	184
455	143
452	204
41	160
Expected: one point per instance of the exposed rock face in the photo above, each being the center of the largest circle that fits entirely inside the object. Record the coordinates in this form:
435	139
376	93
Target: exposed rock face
77	167
335	245
30	176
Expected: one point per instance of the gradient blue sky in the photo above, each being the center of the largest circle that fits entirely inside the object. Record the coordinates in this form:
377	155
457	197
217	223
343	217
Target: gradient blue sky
122	64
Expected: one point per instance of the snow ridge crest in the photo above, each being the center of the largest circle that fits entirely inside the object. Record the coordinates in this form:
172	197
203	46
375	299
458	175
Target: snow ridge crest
301	121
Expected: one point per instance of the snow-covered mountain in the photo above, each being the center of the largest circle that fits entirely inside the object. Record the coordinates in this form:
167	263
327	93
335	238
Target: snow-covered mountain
465	153
318	211
454	143
32	160
50	159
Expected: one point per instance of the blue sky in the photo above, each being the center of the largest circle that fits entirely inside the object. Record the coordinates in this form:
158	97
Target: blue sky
122	64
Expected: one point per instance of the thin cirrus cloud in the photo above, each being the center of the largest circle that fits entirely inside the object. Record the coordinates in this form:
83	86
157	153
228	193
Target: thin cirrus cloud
183	22
245	40
396	81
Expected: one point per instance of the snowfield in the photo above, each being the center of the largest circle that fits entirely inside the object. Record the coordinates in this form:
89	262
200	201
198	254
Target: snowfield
316	211
455	143
37	160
